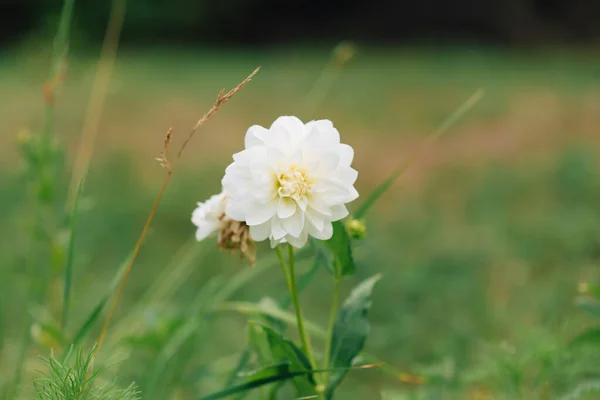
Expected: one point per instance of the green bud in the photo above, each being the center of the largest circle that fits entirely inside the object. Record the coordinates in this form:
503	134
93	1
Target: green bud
357	229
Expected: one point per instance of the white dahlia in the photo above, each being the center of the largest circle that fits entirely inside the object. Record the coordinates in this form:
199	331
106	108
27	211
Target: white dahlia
209	217
292	180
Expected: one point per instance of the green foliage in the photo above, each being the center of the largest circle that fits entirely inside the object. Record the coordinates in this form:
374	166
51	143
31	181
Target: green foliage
350	331
589	305
340	249
480	269
77	381
264	376
285	350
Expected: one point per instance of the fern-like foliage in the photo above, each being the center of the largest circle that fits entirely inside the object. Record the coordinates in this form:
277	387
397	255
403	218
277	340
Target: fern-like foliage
64	380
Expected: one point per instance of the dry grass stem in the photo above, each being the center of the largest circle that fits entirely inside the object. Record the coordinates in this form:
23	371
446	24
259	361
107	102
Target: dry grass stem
221	99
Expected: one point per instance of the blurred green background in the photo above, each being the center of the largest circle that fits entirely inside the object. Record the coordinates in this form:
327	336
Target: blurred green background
482	243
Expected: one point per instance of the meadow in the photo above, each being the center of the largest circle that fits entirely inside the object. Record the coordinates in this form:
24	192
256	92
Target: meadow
484	244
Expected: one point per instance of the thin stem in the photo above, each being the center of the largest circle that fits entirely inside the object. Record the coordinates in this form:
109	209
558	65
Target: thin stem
136	251
85	148
283	267
291	281
332	318
221	99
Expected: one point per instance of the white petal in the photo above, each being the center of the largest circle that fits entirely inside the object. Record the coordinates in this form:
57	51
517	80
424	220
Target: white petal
294	224
346	154
275	242
315	219
299	241
302	202
348	175
259	213
260	232
338	212
235	210
291	125
275	155
325	233
255	135
316	203
327	134
286	207
353	195
277	231
328	162
205	230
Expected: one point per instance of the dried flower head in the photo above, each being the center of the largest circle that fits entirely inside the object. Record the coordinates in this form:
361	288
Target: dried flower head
210	219
235	236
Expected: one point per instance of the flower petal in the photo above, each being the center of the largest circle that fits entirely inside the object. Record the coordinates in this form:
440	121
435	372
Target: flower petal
299	241
206	229
338	212
286	207
348	175
294	224
255	136
277	231
346	154
315	219
324	234
260	232
235	210
258	213
324	131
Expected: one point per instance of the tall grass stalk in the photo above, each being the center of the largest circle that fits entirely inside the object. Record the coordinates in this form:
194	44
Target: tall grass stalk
97	99
222	98
58	60
432	138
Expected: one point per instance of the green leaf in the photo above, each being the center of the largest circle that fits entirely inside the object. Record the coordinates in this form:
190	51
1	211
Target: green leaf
589	305
340	247
285	350
590	336
258	341
283	304
350	331
264	376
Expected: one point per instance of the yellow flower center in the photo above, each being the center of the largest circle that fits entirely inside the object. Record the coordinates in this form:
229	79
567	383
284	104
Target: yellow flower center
293	183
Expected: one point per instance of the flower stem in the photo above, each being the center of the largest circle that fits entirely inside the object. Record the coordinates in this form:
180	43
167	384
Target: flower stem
332	318
290	278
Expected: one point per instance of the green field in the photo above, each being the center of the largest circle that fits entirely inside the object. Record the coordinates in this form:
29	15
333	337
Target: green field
482	244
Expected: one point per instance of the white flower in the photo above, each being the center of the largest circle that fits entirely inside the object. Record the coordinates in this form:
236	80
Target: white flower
291	181
209	216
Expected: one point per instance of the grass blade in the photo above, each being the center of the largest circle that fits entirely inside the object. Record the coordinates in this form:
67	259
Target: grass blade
69	262
261	378
97	311
435	135
281	373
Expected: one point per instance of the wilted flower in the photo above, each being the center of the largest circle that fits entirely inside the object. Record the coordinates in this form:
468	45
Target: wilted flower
235	236
209	217
291	181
